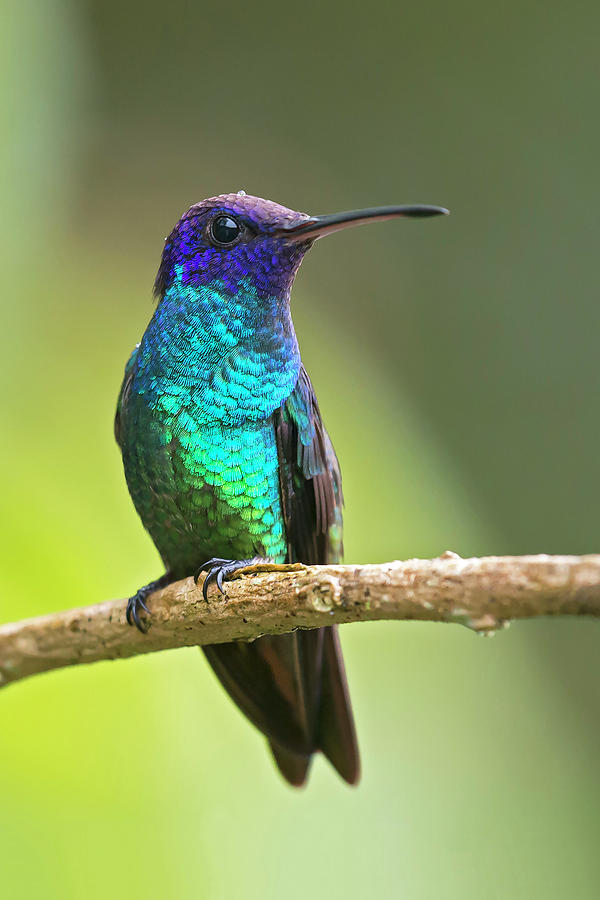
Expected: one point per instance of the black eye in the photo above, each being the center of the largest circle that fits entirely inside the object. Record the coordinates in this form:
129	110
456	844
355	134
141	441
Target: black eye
224	230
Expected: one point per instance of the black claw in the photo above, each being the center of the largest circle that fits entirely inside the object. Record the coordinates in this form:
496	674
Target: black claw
219	570
138	602
210	577
134	604
208	565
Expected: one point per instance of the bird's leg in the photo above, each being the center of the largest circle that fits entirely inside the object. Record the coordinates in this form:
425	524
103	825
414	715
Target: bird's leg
138	601
218	570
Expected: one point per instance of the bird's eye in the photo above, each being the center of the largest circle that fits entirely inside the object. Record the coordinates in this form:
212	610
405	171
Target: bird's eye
224	230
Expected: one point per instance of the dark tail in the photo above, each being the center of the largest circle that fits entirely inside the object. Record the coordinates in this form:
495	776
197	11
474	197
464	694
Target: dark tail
293	688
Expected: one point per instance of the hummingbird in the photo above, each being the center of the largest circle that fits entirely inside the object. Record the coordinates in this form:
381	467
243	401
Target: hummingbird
227	459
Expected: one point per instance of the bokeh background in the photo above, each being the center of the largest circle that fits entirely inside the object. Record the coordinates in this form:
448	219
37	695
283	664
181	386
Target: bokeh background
456	362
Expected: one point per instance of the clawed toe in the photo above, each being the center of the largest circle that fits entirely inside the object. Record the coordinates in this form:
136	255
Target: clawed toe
137	603
216	561
134	605
219	570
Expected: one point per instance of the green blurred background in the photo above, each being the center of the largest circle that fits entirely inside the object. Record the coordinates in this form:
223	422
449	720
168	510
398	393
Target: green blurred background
455	362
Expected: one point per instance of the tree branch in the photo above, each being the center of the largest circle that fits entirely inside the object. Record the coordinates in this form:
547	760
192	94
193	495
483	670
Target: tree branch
483	594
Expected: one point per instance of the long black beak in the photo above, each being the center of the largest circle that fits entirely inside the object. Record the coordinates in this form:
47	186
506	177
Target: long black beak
314	228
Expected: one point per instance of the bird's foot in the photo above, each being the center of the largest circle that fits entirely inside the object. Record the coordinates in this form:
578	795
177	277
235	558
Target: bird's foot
218	570
137	603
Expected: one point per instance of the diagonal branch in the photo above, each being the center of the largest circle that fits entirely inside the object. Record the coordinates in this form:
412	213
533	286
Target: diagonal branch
482	594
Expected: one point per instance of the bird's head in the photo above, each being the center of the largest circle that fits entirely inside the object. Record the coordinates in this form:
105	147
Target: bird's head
240	240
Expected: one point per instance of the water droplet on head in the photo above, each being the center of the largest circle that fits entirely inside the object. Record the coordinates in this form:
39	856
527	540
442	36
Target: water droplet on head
241	193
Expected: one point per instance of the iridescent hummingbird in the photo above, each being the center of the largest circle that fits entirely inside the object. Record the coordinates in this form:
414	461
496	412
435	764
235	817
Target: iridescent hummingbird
227	458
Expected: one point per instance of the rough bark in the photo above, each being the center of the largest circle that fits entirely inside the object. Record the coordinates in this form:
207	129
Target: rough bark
483	594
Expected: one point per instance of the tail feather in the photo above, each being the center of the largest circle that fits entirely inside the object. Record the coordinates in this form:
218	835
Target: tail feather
293	766
337	734
293	688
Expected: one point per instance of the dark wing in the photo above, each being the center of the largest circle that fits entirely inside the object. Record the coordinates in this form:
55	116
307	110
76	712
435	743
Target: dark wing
124	392
293	687
310	480
311	494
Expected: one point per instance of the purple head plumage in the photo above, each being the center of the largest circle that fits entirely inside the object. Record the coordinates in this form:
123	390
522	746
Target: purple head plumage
239	238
